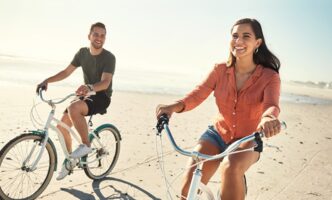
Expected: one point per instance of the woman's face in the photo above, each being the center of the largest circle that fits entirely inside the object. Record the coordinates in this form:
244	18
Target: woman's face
244	42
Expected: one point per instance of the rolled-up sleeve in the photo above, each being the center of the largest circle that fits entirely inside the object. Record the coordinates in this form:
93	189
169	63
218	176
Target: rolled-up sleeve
271	97
201	92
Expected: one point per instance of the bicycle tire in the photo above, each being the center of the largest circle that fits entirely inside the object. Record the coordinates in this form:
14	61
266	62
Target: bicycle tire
110	137
17	182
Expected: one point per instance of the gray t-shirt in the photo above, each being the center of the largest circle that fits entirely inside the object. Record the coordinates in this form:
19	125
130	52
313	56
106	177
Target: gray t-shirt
94	66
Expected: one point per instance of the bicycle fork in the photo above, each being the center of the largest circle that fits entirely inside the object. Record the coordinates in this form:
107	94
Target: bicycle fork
44	141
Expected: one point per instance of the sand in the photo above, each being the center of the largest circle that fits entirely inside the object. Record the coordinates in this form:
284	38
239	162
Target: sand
296	164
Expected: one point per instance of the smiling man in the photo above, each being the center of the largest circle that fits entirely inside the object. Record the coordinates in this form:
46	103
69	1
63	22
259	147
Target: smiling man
98	67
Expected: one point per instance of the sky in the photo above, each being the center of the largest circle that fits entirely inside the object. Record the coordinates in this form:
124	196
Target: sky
171	35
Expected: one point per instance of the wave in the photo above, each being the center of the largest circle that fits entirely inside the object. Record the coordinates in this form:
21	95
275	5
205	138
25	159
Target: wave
319	84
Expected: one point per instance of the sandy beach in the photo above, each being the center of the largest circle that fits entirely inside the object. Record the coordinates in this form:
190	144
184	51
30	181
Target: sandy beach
296	164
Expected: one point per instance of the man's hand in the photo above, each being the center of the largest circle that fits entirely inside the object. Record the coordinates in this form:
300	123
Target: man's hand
82	90
41	86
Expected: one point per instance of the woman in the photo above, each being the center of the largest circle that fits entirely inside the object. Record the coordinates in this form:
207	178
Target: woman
247	90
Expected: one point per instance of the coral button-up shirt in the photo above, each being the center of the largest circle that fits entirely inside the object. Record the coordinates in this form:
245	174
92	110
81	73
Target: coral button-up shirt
239	111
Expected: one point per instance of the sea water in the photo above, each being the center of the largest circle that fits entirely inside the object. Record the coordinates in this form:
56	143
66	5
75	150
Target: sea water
31	72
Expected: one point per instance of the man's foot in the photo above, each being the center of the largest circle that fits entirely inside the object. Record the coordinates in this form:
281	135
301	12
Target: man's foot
65	169
82	150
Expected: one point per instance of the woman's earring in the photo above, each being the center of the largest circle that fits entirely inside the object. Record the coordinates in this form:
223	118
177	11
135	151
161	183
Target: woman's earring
256	51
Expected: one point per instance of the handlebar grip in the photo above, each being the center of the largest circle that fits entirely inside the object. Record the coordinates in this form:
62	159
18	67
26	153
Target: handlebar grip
164	119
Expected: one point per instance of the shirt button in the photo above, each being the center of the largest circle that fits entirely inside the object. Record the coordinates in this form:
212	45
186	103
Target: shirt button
234	113
235	100
234	126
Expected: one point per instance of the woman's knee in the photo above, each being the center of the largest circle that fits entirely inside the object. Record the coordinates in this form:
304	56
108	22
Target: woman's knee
231	167
238	164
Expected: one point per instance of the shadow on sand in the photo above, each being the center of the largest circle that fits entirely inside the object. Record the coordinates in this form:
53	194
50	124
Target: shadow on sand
112	188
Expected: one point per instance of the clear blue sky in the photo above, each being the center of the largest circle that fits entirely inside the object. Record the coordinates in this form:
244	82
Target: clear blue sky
171	34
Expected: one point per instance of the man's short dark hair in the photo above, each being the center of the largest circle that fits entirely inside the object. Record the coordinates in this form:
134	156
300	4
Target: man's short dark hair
98	24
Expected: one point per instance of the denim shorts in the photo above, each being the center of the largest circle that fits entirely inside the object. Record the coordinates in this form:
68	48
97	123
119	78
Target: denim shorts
212	136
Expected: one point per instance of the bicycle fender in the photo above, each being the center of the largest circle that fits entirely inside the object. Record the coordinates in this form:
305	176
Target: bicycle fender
99	128
42	134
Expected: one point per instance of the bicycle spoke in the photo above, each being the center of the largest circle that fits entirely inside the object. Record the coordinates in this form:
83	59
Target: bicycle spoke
17	180
106	151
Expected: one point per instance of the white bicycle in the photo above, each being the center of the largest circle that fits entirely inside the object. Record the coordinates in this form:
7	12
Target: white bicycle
28	161
197	189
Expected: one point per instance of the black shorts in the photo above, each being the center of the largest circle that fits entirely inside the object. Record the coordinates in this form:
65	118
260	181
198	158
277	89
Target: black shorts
97	103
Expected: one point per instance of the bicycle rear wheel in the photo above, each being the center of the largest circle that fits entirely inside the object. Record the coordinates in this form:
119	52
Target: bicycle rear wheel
106	150
17	179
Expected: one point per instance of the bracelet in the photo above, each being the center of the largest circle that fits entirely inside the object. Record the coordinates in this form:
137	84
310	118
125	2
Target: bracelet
90	87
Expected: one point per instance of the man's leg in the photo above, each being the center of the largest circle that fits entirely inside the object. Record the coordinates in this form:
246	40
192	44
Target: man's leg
65	119
77	112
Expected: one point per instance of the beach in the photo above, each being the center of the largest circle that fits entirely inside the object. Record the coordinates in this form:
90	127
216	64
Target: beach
296	164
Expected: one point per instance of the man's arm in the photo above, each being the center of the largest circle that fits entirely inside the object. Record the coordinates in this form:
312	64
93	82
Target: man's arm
62	74
105	81
57	77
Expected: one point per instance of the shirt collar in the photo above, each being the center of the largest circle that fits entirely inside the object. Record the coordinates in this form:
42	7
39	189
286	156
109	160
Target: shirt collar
257	73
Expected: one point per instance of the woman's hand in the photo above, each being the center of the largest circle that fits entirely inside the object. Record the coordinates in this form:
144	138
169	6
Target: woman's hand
169	109
270	126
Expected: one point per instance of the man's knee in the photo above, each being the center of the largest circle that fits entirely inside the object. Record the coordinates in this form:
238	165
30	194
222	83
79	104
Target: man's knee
77	108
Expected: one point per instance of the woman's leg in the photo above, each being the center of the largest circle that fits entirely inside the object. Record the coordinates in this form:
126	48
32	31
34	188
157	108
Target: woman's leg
233	169
209	168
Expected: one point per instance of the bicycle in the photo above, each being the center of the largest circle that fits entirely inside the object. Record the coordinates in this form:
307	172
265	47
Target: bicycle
28	161
198	190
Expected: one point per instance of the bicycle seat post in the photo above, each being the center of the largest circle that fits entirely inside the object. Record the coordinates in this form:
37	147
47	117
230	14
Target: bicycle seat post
90	121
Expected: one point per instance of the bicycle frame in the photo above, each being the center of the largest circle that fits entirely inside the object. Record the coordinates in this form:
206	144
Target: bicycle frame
48	125
200	158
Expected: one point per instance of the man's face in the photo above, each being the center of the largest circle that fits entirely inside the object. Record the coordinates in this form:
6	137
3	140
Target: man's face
97	37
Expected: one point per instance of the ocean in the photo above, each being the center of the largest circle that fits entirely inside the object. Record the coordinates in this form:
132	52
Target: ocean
31	72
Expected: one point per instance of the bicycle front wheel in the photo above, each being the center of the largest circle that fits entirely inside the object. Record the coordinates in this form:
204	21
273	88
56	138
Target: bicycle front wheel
17	179
106	150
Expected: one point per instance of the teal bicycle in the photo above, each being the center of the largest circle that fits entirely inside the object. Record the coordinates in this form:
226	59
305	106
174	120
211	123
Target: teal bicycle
27	162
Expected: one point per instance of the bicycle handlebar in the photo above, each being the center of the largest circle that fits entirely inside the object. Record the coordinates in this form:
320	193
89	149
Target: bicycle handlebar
163	124
50	101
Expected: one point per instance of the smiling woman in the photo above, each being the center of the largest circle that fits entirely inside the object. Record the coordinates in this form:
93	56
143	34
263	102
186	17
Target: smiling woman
247	91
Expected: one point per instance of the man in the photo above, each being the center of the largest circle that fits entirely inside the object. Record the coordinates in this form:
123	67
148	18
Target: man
98	67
